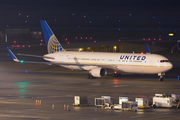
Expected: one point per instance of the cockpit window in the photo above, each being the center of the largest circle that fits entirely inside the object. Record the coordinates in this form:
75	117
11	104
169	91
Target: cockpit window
164	61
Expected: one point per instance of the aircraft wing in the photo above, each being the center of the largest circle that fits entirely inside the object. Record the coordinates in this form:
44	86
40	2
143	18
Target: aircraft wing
49	63
22	61
110	67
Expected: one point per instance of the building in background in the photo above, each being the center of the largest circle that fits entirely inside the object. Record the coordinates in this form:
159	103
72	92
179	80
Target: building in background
20	35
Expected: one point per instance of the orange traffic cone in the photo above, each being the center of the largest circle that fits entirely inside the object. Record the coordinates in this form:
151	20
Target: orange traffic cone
53	107
68	108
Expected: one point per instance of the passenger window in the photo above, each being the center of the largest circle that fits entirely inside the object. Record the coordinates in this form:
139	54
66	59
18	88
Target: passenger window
161	61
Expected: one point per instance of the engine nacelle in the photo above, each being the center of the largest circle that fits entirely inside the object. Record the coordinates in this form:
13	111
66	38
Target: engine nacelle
98	72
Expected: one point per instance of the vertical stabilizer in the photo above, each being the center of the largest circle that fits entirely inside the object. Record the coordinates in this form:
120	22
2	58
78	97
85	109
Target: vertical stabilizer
52	42
147	49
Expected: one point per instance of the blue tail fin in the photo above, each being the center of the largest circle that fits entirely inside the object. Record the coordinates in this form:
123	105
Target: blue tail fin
52	42
147	49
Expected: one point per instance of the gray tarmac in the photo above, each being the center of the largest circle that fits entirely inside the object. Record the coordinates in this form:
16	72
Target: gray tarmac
56	85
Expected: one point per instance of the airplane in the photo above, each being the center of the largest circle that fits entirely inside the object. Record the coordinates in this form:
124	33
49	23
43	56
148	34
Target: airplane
98	63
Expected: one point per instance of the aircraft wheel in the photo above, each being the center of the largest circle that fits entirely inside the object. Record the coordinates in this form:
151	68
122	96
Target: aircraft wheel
92	77
160	79
88	76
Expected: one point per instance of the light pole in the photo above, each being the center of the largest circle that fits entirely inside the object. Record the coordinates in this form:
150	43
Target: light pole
5	37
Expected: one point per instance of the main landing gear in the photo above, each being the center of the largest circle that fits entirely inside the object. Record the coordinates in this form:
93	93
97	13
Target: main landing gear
89	76
161	76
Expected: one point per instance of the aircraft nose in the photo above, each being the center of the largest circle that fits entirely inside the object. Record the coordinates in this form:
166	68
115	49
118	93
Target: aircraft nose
170	65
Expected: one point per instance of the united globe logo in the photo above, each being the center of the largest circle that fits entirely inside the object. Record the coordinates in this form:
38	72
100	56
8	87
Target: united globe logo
54	45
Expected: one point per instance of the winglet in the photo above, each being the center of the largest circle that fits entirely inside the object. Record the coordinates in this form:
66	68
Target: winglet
12	55
147	49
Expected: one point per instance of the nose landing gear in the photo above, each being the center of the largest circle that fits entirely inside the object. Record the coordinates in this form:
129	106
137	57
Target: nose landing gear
161	76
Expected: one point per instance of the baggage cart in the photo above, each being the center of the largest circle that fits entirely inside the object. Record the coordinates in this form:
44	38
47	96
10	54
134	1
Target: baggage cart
122	99
142	102
164	101
129	105
80	101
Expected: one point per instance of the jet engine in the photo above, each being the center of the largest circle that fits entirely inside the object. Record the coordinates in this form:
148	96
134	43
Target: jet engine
98	72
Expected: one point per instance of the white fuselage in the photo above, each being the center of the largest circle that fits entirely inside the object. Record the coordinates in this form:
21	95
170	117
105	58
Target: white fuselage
122	62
